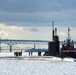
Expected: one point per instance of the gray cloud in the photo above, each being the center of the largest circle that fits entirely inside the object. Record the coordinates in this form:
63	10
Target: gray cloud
33	30
35	5
21	12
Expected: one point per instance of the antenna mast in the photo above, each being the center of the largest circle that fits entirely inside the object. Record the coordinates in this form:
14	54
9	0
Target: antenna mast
52	30
68	32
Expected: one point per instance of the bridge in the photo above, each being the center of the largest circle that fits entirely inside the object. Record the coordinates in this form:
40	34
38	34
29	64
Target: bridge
11	43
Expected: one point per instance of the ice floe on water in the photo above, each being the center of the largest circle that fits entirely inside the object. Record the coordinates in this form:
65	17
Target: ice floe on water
37	66
30	67
69	59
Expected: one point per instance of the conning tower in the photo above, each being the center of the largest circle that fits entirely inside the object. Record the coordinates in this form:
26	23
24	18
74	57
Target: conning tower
53	46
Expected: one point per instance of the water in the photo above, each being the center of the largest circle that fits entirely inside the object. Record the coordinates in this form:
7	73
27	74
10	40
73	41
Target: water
34	67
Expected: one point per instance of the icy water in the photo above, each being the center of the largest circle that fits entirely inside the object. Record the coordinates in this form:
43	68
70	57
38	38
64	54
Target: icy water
34	67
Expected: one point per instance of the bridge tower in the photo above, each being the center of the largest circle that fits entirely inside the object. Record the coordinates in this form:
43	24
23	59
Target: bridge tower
10	48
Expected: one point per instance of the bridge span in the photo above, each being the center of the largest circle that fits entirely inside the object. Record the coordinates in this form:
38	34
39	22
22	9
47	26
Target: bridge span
11	42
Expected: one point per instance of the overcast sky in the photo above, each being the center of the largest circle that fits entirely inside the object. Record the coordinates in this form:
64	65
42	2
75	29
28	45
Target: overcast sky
17	15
